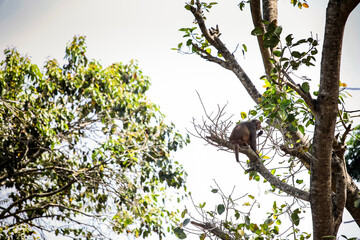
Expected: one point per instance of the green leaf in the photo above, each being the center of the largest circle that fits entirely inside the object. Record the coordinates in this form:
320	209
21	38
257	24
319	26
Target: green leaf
179	232
237	215
301	129
214	190
257	31
285	103
278	30
253	112
290	118
295	217
292	128
296	54
314	52
306	87
286	64
244	47
357	203
184	212
301	41
188	7
289	39
272	42
241	5
268	221
277	53
186	222
220	209
299	181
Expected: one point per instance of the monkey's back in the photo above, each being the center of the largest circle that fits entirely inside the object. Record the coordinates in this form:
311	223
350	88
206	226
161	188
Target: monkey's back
240	134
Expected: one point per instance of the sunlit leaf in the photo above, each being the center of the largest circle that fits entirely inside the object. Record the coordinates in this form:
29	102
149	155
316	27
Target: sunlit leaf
243	115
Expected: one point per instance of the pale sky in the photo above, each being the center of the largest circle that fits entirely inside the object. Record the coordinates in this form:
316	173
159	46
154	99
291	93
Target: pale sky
146	30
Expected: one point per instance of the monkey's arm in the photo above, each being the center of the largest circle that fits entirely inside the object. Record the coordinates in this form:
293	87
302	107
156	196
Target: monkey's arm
252	139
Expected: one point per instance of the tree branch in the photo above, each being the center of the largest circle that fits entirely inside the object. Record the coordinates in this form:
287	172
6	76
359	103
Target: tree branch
255	8
304	156
211	58
46	194
230	60
214	230
310	102
257	165
339	175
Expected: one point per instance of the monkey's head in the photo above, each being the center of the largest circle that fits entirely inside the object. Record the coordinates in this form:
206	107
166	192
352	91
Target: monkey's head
258	123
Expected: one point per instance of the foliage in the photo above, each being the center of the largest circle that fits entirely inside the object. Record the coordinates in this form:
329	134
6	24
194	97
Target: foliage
231	219
353	155
280	101
83	149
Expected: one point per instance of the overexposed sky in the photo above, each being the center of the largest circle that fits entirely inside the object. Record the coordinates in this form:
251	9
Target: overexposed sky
146	30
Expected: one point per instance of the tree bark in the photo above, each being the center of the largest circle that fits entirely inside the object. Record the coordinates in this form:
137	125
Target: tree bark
270	12
326	106
255	8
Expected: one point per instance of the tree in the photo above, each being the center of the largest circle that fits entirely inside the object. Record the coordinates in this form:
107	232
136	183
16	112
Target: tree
83	150
289	109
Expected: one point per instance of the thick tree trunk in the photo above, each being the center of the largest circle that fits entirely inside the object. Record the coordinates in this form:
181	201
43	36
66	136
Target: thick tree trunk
322	205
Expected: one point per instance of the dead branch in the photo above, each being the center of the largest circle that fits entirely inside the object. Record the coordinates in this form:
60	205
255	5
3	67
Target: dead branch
213	125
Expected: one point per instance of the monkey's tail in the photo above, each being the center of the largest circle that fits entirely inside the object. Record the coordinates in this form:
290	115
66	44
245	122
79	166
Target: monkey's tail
236	150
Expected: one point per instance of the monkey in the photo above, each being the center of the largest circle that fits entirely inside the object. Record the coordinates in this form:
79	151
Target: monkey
244	134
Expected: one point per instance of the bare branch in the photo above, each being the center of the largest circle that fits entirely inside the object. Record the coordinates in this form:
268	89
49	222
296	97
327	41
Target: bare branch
213	125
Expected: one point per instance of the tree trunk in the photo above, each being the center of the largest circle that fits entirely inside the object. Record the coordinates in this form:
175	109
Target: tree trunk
322	205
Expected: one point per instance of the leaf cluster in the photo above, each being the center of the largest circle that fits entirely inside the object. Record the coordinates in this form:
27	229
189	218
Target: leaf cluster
83	140
231	219
353	155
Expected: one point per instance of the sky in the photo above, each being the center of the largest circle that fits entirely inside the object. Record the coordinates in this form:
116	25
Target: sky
146	30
